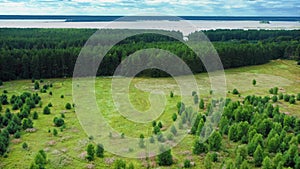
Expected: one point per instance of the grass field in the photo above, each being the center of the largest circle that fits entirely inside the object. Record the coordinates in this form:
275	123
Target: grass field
68	148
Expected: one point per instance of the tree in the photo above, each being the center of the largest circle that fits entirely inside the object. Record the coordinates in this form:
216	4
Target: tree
27	123
142	142
174	117
199	147
201	104
235	92
253	82
292	100
280	97
274	144
58	121
55	132
187	163
100	151
120	164
159	125
180	107
258	156
35	115
207	161
267	163
36	85
173	130
171	94
68	106
25	145
196	99
274	98
46	110
245	165
290	158
298	96
90	152
165	158
40	160
215	141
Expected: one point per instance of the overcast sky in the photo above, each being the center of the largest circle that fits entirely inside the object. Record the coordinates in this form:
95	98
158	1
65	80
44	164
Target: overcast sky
164	7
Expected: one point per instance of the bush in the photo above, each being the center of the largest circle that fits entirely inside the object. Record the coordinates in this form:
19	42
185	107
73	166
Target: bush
55	132
36	85
90	152
165	158
156	130
171	94
235	92
100	151
187	163
159	125
274	99
25	145
280	97
46	110
50	93
50	105
286	97
35	115
120	164
253	82
214	157
194	93
298	96
62	96
68	106
292	100
174	117
1	83
58	121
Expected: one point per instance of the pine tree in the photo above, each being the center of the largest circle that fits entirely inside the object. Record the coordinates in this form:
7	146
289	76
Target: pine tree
100	151
90	152
258	156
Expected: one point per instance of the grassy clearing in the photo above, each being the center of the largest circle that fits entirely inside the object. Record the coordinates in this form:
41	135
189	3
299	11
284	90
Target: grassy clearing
67	149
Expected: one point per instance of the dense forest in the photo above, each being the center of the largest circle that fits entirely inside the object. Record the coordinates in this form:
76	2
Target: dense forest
52	53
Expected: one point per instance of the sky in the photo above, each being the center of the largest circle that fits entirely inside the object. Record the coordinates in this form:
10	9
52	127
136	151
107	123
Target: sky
163	7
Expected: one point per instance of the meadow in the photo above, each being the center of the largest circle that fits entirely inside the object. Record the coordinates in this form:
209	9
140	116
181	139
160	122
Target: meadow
68	148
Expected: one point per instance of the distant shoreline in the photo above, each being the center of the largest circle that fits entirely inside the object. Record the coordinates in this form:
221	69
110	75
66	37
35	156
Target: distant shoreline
186	27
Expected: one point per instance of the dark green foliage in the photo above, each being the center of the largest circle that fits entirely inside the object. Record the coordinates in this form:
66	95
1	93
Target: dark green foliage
159	125
180	107
40	160
207	161
280	97
201	104
165	158
258	156
100	151
235	91
62	96
152	140
120	164
194	93
68	106
130	166
274	98
90	152
174	117
215	141
25	146
196	99
291	158
17	134
153	123
214	157
199	147
187	163
35	115
267	163
27	123
156	130
286	98
58	121
50	104
50	93
1	83
298	96
36	85
142	142
171	94
55	132
46	110
292	100
253	82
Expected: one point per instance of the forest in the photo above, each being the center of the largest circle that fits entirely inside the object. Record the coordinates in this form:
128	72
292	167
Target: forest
52	53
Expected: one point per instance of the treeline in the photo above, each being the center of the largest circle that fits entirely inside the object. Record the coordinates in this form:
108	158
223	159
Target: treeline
52	53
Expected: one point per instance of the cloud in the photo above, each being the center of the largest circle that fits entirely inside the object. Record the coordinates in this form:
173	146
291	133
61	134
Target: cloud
171	7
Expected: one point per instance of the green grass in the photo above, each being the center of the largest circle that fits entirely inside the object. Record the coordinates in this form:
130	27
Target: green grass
66	149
